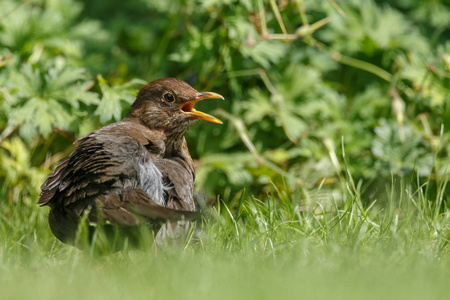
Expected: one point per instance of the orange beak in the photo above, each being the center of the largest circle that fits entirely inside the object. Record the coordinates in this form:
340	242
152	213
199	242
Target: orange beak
188	107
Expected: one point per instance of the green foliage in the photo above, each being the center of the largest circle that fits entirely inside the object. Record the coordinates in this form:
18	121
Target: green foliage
37	30
110	107
330	106
312	87
47	97
19	176
397	157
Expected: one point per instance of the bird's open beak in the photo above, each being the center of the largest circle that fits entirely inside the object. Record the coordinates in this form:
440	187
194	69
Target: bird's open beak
188	107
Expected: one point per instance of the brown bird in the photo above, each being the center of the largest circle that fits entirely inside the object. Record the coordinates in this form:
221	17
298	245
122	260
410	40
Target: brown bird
133	171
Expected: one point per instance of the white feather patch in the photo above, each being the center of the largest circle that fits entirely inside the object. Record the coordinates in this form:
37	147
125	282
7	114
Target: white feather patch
151	182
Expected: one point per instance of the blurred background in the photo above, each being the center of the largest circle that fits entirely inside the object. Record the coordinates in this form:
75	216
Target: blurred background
315	90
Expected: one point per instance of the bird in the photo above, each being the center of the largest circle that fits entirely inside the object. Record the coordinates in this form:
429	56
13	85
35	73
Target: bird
135	171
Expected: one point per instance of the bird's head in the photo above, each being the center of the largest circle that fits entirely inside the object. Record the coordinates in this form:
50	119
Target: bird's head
168	104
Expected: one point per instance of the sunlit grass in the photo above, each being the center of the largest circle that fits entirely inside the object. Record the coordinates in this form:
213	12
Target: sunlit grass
298	76
277	247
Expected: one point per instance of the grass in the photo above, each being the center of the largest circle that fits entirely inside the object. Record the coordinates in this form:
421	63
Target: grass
279	247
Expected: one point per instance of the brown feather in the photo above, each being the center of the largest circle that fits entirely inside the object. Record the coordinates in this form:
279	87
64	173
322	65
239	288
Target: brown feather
133	171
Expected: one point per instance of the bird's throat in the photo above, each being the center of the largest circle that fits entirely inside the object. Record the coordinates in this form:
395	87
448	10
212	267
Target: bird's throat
175	139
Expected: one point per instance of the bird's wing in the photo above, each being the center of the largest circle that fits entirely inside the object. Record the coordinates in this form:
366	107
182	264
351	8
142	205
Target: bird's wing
100	164
51	185
133	206
105	173
179	177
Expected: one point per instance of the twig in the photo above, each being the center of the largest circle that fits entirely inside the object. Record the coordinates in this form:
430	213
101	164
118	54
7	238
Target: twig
338	8
262	17
302	11
67	134
308	30
7	132
276	11
279	36
240	73
240	127
363	65
262	73
398	109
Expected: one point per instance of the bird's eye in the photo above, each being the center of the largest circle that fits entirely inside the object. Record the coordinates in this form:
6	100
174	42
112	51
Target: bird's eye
168	97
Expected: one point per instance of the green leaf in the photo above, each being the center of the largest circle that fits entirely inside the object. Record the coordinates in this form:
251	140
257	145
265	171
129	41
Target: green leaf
265	53
399	157
110	106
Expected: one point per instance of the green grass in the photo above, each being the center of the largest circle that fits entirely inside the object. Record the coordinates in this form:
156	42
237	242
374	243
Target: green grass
372	74
280	247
